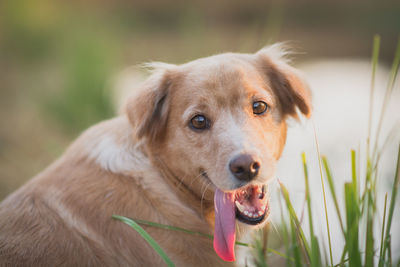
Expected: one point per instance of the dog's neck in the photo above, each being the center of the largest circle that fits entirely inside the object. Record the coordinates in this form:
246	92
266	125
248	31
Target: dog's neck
195	200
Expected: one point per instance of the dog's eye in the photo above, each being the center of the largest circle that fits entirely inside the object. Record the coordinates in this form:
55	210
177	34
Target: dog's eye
199	122
259	107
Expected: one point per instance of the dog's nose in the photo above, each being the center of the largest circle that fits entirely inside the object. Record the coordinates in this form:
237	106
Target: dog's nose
244	167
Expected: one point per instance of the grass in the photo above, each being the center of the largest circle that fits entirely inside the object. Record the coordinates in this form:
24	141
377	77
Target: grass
146	237
360	207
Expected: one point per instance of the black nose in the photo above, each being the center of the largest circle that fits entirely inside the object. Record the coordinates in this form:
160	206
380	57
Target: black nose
244	167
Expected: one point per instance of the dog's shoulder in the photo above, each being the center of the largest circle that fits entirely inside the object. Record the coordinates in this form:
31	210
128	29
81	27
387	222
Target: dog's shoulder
113	146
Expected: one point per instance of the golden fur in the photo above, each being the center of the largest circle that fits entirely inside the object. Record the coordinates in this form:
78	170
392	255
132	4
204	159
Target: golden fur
148	164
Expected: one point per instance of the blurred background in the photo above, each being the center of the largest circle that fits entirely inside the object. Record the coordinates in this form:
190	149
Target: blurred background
60	61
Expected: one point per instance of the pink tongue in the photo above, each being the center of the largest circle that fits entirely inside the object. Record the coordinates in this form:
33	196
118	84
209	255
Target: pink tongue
225	232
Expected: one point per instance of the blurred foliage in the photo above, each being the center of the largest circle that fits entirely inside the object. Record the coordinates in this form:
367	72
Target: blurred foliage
85	97
44	36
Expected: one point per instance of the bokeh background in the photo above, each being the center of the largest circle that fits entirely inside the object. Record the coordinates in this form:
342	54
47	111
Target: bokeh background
60	60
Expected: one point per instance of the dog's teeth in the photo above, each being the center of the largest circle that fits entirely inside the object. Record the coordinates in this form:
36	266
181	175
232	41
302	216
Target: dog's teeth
239	206
246	212
250	214
260	212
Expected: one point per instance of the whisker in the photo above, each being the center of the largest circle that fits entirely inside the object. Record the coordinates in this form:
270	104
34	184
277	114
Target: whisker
200	174
202	197
181	181
274	227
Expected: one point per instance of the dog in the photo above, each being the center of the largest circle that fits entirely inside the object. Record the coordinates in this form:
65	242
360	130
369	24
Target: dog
195	148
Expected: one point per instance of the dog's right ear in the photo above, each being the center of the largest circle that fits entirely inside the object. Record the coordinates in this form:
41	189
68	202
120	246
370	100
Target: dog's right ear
148	109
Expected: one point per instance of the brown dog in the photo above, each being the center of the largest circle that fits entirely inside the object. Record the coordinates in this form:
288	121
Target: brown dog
195	149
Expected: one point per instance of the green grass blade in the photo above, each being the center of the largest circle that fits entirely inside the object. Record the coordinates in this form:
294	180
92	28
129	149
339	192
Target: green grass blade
280	254
147	237
325	255
308	198
178	229
285	232
293	218
369	244
389	251
315	251
395	66
295	245
381	259
173	228
341	263
375	56
324	195
344	253
370	207
260	248
352	223
359	171
392	79
333	192
392	204
354	172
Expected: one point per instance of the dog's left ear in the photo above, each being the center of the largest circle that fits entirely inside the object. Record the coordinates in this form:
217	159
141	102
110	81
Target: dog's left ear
148	109
287	83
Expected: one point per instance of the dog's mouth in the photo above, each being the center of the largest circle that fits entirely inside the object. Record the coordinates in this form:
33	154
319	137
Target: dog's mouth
251	204
247	204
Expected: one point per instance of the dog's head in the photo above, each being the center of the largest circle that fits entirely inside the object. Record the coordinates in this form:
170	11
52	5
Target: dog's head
219	123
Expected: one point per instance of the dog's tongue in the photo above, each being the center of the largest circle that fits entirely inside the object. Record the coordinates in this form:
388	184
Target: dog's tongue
225	232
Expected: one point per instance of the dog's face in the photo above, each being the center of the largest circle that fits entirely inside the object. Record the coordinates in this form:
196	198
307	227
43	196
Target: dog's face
218	123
